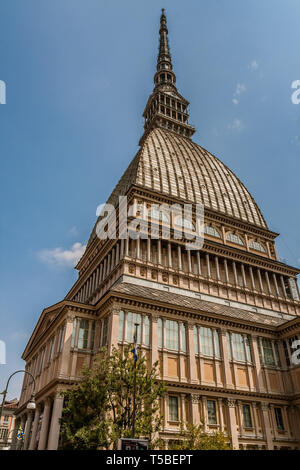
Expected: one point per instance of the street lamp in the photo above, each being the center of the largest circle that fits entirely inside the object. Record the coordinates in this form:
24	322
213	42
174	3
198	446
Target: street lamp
135	339
31	404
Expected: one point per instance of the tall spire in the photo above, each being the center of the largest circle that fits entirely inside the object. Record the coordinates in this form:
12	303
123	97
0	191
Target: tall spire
166	108
164	61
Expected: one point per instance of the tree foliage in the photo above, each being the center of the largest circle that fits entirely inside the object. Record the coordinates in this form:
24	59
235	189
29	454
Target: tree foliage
193	437
99	410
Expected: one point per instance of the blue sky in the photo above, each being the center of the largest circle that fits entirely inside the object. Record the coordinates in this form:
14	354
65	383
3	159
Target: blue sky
78	74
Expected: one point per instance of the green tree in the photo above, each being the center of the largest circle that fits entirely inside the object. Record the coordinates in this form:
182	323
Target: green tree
193	437
99	410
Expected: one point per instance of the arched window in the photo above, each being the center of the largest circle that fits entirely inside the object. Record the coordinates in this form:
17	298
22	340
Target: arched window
257	246
209	230
233	238
158	215
181	222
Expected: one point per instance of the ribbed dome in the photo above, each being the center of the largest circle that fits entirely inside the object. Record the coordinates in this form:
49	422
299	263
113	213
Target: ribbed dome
175	166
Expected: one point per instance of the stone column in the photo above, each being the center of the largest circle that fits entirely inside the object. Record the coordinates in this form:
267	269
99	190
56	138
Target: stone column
113	331
34	428
226	270
183	410
28	429
268	282
217	268
275	284
255	424
243	274
45	425
169	255
199	262
191	349
208	265
195	409
14	434
226	364
159	251
260	280
65	354
266	425
189	261
55	424
257	364
235	273
232	423
252	277
179	258
204	413
221	418
148	249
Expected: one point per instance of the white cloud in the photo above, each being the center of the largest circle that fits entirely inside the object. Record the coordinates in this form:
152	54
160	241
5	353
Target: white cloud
60	257
240	88
253	65
236	125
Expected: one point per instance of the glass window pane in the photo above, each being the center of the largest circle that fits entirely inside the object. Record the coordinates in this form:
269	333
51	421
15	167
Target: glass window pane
238	348
247	416
146	331
171	335
121	325
217	343
268	352
159	327
211	412
206	342
83	334
73	333
248	349
229	345
196	342
183	337
133	318
173	408
279	418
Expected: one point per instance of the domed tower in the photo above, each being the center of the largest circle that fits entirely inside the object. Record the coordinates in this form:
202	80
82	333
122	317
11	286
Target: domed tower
222	320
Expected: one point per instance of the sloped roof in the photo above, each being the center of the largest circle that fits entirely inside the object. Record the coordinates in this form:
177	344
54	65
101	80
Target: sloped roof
176	166
202	306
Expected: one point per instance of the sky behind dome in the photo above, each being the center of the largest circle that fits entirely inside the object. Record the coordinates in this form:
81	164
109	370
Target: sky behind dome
78	74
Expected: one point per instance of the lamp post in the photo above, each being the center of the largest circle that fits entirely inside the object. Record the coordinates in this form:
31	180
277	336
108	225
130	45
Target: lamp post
135	338
31	404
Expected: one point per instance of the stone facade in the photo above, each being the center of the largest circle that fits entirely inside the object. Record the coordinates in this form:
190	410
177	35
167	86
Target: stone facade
220	321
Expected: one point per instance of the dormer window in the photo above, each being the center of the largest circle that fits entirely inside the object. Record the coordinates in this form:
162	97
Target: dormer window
158	215
209	230
181	222
257	246
233	238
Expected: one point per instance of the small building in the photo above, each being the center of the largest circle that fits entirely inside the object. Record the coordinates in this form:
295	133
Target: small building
7	424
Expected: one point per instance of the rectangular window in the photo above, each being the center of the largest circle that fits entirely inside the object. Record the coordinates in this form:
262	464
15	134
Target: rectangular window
217	344
51	349
183	337
196	342
173	408
247	416
238	347
286	353
269	359
62	338
92	335
171	334
159	328
211	412
73	333
229	346
104	331
146	330
121	325
132	319
279	419
206	342
83	334
42	360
